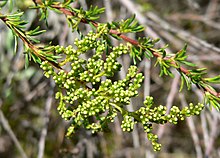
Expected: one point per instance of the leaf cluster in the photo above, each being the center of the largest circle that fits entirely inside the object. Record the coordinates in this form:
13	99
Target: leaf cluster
129	25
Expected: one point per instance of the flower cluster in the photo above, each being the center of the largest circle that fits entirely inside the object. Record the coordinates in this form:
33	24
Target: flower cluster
127	124
92	107
89	98
148	115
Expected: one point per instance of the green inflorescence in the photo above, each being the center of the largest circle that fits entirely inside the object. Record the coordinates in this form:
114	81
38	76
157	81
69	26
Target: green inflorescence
89	98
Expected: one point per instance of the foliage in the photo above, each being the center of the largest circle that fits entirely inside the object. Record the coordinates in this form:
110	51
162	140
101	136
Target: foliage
88	96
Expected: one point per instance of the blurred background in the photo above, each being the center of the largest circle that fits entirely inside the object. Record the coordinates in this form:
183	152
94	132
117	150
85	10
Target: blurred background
30	125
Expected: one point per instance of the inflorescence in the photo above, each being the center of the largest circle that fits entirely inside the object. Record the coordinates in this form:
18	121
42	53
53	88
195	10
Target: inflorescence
89	98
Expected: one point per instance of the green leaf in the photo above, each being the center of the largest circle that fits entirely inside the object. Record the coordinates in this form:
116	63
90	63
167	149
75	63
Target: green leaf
162	50
215	104
138	29
215	79
54	9
92	26
129	21
198	71
33	39
164	54
56	57
130	25
134	24
11	5
170	73
148	54
67	2
116	36
108	42
35	32
15	15
210	87
212	100
3	3
116	24
93	13
161	73
136	52
125	24
35	58
187	81
182	83
188	63
181	53
156	40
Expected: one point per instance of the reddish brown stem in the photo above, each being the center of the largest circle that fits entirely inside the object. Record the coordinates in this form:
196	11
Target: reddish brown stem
133	42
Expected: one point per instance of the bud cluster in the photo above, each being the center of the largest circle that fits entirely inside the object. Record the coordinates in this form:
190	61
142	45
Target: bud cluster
147	116
88	100
127	124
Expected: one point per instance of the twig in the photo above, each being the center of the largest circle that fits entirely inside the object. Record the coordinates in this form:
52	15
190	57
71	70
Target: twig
130	107
208	136
83	4
108	8
193	4
213	133
147	66
35	91
122	75
212	58
135	9
41	144
192	128
193	17
203	119
64	34
212	9
184	35
204	129
170	98
7	128
117	125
